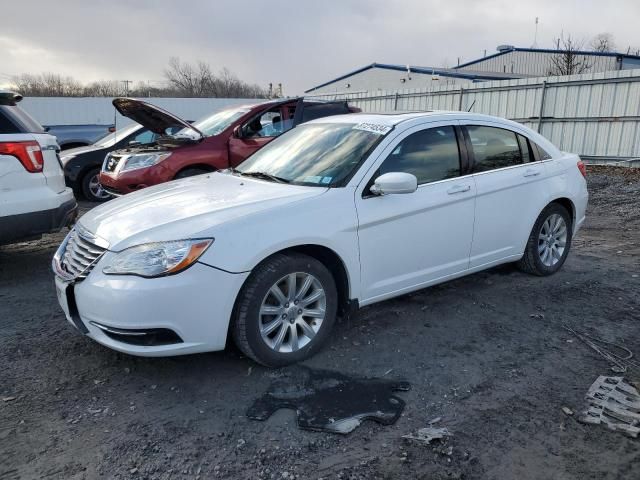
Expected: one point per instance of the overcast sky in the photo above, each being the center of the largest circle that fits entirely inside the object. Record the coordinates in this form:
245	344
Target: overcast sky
300	43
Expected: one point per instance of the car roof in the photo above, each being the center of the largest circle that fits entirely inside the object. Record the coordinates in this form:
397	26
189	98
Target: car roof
392	119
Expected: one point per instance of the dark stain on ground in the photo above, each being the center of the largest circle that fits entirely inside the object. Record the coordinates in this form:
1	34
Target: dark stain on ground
330	401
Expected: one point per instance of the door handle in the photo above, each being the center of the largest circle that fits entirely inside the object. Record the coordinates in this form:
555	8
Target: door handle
459	189
531	173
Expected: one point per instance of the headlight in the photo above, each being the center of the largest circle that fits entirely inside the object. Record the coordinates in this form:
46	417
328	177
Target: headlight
143	160
65	158
158	259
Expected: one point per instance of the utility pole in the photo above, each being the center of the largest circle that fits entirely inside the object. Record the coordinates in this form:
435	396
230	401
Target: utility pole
126	87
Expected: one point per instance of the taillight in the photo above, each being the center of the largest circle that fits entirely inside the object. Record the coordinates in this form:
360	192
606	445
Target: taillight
29	154
583	168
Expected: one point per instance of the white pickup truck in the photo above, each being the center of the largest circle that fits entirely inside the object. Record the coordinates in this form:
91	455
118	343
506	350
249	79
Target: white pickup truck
33	196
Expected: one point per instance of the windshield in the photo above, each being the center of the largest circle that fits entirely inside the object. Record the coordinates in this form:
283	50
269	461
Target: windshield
110	139
322	154
218	122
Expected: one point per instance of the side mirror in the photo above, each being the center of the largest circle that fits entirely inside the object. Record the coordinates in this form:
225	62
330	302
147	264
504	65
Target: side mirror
237	132
394	182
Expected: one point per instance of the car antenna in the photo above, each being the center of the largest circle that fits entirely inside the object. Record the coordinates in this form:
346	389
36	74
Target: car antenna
472	104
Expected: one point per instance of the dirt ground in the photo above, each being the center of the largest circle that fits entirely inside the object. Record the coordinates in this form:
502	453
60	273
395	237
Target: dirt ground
486	353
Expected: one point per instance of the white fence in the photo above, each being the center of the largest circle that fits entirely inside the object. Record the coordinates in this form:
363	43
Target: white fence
594	115
100	111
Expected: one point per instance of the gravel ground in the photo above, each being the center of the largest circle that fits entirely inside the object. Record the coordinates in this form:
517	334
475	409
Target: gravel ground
485	353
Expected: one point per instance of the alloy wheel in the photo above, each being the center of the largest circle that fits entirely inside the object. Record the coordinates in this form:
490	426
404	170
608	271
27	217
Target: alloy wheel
96	189
552	240
292	312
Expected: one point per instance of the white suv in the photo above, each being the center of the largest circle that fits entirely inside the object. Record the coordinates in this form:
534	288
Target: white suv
33	196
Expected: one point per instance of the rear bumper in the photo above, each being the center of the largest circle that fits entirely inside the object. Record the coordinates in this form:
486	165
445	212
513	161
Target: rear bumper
32	225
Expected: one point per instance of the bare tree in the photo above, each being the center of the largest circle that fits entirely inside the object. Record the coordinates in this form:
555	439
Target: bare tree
603	42
199	81
103	88
568	60
46	85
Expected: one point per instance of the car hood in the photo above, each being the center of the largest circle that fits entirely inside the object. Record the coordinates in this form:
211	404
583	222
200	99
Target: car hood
154	118
187	208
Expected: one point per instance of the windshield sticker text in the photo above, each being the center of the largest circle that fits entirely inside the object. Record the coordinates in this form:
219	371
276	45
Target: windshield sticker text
373	128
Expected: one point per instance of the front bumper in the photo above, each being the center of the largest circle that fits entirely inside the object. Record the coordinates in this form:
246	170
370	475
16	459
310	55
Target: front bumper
121	183
32	225
184	313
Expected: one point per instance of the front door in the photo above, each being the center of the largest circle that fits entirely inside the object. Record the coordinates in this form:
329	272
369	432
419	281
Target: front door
257	132
408	241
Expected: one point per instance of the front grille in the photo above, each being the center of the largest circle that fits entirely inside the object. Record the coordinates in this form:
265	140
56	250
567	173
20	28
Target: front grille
80	255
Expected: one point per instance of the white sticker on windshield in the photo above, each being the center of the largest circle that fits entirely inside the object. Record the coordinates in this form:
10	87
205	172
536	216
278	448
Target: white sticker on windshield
312	179
326	179
373	128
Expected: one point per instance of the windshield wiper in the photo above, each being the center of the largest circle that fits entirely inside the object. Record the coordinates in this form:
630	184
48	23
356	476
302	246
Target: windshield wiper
263	176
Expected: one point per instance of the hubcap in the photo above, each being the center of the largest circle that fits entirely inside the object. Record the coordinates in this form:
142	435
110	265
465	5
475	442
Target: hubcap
96	189
292	312
552	240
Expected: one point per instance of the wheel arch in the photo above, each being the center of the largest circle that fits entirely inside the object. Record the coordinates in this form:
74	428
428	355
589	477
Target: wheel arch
568	204
200	166
336	266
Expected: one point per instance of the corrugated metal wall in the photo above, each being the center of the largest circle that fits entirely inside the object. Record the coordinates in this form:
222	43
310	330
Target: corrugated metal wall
100	111
591	114
538	63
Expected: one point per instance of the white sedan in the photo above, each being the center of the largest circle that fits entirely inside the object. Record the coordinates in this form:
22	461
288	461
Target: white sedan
336	214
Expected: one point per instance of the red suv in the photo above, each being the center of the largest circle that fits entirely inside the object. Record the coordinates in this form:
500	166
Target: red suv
219	141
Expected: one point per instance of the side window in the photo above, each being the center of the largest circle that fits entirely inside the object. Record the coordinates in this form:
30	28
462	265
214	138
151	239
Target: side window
430	155
525	150
542	154
145	136
311	112
493	148
268	124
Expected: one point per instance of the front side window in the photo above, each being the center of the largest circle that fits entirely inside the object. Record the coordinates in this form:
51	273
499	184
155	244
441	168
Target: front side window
323	154
431	155
493	148
267	124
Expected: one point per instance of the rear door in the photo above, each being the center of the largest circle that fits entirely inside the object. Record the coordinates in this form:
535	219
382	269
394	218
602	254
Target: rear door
510	187
257	132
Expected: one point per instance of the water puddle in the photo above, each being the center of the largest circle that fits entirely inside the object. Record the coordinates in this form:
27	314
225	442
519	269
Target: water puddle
329	401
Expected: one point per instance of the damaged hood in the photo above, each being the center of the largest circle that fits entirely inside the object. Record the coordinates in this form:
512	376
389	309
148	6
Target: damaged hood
187	208
154	118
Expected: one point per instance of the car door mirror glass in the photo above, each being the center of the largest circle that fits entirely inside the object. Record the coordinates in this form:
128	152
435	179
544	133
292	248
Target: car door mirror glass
393	183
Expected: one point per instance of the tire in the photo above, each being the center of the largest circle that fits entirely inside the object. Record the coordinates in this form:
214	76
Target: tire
89	189
549	242
190	172
250	322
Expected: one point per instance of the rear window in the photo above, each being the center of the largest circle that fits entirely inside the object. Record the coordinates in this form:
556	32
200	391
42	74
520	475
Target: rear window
15	120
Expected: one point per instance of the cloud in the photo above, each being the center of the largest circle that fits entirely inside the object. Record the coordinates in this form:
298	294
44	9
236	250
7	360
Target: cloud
298	43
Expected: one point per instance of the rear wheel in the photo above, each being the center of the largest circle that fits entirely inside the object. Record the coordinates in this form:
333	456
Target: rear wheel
286	309
91	188
549	242
190	172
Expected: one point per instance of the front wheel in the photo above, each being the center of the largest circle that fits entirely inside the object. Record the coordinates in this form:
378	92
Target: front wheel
549	242
285	310
91	188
